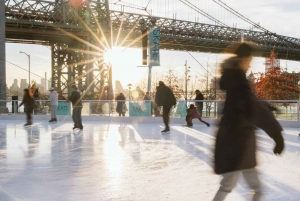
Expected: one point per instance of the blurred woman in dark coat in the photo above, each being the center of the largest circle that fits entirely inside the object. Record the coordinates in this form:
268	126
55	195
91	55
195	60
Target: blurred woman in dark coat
120	104
243	112
28	102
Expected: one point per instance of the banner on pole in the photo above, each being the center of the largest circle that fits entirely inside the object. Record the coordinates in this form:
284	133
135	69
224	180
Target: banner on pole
154	40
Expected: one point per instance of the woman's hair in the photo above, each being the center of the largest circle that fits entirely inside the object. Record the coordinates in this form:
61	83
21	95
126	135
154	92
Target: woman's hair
243	50
28	92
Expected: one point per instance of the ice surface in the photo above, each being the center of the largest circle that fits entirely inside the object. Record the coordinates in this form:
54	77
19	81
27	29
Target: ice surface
51	162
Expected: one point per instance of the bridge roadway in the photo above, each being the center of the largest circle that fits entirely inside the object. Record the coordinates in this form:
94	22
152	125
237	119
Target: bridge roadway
45	22
130	161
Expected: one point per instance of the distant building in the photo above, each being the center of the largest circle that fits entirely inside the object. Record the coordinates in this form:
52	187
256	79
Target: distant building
43	87
296	78
119	88
15	86
23	84
50	82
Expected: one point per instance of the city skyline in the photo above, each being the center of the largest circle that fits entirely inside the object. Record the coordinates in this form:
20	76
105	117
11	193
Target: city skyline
43	86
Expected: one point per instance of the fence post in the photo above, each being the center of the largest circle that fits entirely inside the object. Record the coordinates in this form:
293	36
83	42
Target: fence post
89	107
297	110
216	108
109	107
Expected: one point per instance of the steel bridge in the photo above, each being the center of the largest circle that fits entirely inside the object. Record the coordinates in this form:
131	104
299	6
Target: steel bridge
79	36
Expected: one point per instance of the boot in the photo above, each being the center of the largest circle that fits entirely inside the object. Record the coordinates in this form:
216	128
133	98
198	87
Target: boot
207	124
55	120
166	130
52	120
75	126
28	123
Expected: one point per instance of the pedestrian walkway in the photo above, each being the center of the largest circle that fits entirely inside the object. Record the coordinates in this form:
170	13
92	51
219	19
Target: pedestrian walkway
109	161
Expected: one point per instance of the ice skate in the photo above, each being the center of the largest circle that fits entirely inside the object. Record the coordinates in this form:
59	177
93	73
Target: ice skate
165	131
207	124
29	123
187	125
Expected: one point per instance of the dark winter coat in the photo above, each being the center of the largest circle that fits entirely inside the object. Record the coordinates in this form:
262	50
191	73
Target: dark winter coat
199	97
120	103
164	96
75	98
242	113
27	101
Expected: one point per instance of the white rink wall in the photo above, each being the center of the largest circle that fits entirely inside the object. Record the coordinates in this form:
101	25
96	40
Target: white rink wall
127	119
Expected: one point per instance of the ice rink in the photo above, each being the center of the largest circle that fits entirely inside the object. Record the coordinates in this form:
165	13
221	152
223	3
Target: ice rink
108	161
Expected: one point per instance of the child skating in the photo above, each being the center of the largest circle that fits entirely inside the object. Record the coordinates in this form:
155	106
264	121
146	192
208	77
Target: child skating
192	113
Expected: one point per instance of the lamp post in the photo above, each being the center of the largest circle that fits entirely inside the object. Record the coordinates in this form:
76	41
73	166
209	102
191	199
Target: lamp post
187	78
28	55
298	103
129	89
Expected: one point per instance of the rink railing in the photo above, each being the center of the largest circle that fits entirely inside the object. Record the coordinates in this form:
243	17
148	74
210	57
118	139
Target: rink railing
286	109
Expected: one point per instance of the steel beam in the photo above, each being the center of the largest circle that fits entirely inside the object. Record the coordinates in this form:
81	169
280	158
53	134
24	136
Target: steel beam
2	53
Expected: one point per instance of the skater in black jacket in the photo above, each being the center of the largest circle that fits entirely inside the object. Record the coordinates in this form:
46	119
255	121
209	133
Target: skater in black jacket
75	98
235	148
164	97
28	102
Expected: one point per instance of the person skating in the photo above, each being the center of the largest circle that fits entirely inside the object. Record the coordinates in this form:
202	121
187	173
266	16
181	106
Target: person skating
199	98
147	98
53	98
28	102
235	146
164	97
120	104
75	98
192	113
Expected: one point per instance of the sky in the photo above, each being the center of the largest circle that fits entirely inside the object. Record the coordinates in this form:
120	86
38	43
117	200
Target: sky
279	16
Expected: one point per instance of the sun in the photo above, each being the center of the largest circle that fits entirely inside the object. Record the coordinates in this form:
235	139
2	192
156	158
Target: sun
111	55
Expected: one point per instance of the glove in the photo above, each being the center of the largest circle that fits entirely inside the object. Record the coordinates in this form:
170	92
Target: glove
279	144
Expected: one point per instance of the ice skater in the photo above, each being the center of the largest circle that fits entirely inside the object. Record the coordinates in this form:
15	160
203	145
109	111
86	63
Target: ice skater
28	103
121	105
164	97
75	98
192	113
199	98
235	146
53	98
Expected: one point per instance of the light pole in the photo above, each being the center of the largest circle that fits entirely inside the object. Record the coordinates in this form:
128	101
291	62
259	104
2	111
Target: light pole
129	89
298	105
187	78
28	55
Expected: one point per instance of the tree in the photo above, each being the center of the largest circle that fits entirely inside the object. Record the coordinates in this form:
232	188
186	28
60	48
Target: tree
175	83
275	84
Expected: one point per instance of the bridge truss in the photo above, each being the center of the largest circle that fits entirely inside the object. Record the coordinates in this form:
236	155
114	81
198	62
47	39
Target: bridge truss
79	36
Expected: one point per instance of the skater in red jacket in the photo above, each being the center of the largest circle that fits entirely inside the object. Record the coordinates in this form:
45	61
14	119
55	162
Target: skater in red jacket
192	113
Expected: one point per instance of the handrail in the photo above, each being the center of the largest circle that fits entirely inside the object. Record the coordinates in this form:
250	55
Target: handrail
211	108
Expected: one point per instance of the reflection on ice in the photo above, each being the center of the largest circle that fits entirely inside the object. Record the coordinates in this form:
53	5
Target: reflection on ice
129	162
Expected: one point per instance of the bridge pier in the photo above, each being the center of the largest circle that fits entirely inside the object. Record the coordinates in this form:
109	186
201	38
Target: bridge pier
73	64
2	53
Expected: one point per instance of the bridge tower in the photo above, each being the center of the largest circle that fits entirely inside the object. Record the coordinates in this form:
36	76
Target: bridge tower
2	53
79	60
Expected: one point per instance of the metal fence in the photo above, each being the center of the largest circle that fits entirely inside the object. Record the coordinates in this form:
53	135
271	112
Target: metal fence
286	109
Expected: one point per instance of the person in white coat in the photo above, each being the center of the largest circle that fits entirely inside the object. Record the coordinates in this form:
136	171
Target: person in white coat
53	98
